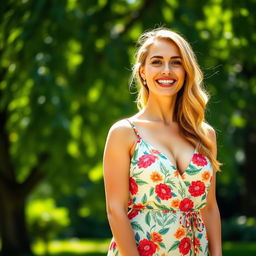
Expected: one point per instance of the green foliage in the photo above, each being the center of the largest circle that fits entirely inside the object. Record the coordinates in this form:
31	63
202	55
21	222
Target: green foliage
64	79
239	229
45	220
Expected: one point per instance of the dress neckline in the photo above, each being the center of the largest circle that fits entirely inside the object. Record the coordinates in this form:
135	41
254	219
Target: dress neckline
168	159
160	152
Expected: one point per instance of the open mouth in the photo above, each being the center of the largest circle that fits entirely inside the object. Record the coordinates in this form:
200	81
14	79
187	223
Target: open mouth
166	83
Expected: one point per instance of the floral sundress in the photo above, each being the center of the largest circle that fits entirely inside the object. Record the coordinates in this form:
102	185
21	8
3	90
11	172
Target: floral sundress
164	206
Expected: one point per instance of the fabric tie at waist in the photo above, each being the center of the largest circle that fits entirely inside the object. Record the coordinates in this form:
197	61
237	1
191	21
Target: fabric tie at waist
187	219
190	218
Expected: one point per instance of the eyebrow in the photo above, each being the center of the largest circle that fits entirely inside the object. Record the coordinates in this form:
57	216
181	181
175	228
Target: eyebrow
161	57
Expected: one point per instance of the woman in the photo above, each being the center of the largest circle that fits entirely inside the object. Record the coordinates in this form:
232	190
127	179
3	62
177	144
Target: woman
161	162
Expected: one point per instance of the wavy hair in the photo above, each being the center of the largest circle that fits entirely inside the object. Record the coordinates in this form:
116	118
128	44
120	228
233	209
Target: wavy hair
192	98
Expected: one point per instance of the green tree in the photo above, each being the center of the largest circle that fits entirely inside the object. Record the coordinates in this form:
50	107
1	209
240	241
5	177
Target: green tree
64	76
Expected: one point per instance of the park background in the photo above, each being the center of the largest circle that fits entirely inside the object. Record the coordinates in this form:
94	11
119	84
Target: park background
64	79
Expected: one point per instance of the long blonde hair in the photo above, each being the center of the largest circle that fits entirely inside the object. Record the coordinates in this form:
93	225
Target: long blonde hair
191	100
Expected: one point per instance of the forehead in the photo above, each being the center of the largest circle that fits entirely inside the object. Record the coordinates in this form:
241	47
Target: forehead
163	47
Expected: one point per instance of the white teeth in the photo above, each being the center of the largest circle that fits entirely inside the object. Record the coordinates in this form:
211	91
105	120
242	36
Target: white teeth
165	81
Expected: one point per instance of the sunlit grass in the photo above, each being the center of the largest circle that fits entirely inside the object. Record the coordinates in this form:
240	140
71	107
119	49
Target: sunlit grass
73	246
98	247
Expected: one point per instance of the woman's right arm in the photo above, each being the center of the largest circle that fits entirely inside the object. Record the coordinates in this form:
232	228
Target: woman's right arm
116	162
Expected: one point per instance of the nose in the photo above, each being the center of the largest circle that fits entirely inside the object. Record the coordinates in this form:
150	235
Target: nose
167	68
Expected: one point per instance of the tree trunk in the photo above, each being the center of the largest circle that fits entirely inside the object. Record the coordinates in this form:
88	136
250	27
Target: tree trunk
13	228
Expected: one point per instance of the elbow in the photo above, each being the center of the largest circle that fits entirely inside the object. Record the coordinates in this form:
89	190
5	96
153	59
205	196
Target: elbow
115	212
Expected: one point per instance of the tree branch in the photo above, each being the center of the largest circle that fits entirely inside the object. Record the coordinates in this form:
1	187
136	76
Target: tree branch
35	177
136	15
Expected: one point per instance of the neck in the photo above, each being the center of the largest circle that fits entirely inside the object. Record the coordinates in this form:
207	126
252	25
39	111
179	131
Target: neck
160	108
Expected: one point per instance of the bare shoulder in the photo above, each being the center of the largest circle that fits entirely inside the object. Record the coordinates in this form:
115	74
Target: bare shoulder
121	132
210	131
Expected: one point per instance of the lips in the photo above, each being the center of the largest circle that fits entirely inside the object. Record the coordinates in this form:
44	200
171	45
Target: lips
166	82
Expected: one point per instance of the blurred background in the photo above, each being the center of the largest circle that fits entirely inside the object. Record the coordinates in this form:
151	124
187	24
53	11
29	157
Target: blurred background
64	79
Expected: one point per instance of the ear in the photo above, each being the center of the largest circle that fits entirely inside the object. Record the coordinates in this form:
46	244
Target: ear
142	72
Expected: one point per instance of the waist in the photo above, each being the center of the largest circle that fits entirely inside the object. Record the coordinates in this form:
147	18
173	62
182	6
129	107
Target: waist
187	219
161	208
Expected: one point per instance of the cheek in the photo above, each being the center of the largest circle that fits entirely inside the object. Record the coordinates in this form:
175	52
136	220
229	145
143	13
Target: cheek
181	73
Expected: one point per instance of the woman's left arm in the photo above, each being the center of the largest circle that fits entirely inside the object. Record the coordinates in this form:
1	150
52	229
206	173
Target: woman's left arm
211	214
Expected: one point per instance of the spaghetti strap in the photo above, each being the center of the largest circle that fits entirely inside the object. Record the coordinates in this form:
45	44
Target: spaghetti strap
134	129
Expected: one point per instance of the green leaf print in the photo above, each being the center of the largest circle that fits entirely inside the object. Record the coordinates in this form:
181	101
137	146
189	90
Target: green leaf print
159	222
141	182
172	220
181	190
137	237
204	196
174	246
162	207
136	226
200	235
159	214
148	236
201	206
187	183
134	162
135	155
151	192
193	170
144	199
162	245
173	194
171	182
163	231
148	219
158	199
134	175
164	170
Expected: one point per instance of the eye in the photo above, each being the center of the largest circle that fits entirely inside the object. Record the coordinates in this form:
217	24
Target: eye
176	63
156	62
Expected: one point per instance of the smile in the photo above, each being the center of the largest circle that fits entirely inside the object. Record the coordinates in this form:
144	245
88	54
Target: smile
166	83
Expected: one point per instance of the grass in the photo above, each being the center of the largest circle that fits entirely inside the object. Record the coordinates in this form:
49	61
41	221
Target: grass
98	247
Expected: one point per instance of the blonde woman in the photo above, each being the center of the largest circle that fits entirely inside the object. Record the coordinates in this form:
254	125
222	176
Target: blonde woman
161	162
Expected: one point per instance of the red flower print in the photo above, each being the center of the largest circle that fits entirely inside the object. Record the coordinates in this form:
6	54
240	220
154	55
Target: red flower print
184	246
186	204
130	202
132	214
197	188
139	206
146	160
163	191
146	247
133	187
156	237
112	245
196	242
199	160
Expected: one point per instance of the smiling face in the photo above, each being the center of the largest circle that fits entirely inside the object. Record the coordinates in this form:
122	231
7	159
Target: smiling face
163	69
